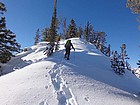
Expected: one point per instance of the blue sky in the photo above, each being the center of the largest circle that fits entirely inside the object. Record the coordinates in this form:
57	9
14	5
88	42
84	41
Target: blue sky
24	17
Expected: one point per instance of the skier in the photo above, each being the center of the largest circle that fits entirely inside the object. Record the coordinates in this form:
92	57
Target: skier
68	46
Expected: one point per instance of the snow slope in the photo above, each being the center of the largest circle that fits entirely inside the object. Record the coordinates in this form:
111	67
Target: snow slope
32	78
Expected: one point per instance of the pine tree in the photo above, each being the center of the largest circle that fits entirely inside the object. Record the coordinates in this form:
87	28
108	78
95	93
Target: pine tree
64	27
124	57
123	53
8	43
128	66
80	32
37	37
72	30
52	35
2	32
117	64
134	5
57	43
138	63
2	8
102	37
52	29
86	31
102	40
52	32
106	50
91	33
45	34
95	38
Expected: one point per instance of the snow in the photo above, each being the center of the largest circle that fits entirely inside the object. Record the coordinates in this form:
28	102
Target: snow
137	72
32	78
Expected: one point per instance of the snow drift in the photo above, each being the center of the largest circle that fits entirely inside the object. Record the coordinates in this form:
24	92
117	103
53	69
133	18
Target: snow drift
32	78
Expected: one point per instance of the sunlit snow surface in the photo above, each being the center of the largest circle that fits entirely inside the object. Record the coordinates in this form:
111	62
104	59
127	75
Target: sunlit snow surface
32	78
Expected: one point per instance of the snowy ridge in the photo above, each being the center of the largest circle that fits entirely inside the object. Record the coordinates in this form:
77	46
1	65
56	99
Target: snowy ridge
32	78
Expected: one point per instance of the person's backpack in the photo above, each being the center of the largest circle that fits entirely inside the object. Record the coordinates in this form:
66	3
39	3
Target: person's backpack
68	43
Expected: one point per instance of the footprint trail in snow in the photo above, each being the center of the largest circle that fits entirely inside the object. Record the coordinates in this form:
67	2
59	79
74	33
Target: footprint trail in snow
64	93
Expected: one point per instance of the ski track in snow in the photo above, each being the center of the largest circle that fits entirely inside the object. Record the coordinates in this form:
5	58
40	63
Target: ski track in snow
64	93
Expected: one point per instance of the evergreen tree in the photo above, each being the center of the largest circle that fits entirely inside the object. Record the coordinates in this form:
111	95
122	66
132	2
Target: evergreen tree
37	37
86	31
72	30
52	36
45	34
134	5
119	61
106	50
91	33
52	30
80	32
95	38
102	37
101	40
64	27
8	43
128	66
123	53
57	43
2	8
2	32
117	64
138	63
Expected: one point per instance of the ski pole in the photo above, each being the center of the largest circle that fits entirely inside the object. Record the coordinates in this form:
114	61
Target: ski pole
74	56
